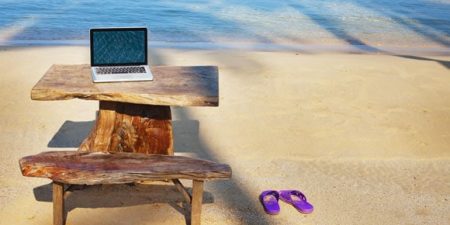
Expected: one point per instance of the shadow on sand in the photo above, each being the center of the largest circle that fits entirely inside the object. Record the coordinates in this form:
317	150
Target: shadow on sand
120	195
71	134
186	140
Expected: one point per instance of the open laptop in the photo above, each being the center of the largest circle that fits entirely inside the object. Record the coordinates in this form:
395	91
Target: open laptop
119	54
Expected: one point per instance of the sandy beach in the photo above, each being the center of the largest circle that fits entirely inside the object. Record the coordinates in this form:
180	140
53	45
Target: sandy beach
365	136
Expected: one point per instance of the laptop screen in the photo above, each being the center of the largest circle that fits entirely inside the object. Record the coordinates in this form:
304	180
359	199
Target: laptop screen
118	46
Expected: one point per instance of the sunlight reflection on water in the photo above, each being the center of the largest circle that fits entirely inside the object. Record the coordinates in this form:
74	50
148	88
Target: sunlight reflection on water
355	22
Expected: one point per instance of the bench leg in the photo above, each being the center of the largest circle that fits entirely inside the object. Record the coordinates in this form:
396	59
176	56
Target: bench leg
197	199
182	190
58	203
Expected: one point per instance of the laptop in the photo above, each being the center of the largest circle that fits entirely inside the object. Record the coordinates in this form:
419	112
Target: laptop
119	54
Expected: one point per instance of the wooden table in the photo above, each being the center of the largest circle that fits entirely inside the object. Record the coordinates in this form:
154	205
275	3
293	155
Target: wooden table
133	117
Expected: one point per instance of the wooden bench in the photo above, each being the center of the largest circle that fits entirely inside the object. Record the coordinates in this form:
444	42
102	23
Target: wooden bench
132	137
89	168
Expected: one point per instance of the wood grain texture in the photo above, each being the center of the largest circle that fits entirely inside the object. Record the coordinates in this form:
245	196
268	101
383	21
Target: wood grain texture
197	199
58	203
182	190
172	86
126	127
75	167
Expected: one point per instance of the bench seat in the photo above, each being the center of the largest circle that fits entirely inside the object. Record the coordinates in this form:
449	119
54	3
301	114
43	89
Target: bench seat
76	167
81	167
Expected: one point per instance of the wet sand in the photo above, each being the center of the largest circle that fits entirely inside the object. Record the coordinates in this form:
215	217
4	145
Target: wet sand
365	136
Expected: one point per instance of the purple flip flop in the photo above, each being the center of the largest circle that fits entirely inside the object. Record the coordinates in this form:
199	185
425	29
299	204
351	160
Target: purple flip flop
296	199
269	200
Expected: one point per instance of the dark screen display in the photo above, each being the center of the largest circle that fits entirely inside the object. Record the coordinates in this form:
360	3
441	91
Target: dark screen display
118	47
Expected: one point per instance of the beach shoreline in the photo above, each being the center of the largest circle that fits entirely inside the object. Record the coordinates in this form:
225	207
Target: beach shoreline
313	48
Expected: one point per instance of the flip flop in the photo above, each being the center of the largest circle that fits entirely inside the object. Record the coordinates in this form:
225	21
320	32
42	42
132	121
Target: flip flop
269	200
296	199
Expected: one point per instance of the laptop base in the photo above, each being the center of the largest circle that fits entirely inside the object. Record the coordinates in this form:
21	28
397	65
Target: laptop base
121	77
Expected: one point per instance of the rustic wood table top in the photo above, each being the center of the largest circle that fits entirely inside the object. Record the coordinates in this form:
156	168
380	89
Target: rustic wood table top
172	86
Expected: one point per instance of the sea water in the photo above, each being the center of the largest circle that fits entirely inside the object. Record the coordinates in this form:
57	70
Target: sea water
205	23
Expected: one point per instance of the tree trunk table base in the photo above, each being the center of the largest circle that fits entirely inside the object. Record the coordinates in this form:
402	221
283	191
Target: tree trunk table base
127	127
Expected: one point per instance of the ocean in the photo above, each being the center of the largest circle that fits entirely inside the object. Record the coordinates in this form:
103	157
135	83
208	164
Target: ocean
369	24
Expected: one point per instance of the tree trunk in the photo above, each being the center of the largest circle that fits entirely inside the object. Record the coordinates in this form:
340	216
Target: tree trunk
126	127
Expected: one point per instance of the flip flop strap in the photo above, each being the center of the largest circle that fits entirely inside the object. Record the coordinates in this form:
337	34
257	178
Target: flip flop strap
298	194
273	193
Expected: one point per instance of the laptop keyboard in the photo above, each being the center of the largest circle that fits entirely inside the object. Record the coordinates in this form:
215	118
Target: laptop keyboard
116	70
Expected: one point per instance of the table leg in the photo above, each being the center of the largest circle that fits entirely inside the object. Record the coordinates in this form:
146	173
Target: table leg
126	127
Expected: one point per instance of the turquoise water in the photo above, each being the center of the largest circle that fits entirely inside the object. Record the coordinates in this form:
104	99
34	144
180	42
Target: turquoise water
405	23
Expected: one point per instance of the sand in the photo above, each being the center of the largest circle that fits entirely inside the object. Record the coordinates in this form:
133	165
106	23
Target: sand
365	136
